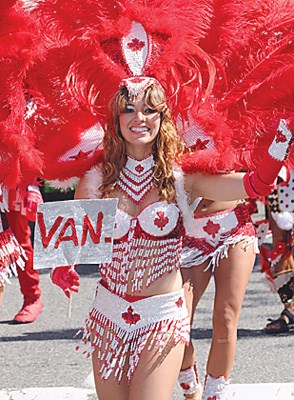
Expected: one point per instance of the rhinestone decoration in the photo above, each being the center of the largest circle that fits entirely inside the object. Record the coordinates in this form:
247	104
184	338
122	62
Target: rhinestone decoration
136	178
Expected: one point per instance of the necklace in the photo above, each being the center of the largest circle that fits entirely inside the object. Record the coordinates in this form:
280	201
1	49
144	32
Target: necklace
136	177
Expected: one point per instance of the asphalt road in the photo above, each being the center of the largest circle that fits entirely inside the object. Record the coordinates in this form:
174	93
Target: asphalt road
42	354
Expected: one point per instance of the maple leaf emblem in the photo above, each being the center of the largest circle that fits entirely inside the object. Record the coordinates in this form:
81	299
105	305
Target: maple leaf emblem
161	220
200	144
136	44
280	138
179	302
211	228
130	317
82	155
185	386
139	168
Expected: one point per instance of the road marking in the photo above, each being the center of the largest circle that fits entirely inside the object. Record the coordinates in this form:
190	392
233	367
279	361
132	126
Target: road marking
258	391
50	393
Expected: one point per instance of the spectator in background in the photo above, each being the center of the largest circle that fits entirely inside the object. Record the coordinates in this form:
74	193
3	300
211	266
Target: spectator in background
278	263
22	210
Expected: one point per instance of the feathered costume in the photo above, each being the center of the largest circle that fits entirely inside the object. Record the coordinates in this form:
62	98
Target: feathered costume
222	65
226	67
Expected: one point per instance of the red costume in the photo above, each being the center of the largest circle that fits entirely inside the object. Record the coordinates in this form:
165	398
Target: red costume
223	66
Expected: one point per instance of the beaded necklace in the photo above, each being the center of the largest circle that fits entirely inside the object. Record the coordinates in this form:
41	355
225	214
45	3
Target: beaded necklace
136	178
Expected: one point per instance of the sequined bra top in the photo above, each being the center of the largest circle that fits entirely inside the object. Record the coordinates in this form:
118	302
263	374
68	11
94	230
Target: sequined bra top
157	220
145	248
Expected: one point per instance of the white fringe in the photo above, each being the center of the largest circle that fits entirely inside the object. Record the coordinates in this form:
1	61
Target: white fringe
193	257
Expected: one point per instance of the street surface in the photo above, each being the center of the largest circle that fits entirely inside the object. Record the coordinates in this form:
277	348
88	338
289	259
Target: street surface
38	361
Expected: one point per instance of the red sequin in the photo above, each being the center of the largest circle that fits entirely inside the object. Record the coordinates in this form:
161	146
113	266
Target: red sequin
130	317
185	386
200	144
161	220
139	168
136	45
179	302
211	228
81	155
281	138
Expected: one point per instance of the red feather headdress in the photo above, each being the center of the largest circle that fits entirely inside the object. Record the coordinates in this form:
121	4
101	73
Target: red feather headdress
113	40
93	46
226	67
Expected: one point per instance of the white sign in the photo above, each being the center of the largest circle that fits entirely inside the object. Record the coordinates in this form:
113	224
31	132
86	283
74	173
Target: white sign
74	232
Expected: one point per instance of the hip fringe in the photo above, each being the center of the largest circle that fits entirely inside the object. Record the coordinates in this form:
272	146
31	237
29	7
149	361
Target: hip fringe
119	348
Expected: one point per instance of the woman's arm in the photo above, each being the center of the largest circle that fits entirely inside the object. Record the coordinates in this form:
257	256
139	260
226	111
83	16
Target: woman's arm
253	184
81	192
225	187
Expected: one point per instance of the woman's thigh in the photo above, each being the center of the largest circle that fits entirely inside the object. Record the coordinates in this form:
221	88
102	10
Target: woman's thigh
109	388
156	375
231	278
199	279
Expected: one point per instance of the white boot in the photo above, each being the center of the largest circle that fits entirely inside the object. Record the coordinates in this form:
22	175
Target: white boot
214	388
188	380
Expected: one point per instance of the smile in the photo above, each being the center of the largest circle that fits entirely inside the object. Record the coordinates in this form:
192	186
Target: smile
139	130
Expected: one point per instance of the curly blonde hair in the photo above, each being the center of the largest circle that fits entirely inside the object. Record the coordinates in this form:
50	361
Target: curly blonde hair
167	146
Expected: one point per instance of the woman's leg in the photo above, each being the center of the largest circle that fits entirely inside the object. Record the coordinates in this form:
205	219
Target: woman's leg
231	278
200	280
155	376
110	388
188	377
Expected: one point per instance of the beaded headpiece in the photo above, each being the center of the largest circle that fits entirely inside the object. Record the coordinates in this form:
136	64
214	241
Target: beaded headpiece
135	43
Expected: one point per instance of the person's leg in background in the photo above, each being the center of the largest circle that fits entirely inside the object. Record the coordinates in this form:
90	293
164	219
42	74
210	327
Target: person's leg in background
281	268
29	278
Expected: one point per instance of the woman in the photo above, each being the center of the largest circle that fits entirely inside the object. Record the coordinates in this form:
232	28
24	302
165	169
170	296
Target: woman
223	246
141	145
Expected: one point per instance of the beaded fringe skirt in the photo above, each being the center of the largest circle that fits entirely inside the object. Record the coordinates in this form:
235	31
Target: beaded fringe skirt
121	330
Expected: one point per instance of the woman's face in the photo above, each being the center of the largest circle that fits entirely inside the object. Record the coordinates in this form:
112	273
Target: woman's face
139	125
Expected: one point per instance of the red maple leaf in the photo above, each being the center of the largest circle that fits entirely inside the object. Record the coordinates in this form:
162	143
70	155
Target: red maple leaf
139	168
136	44
179	302
280	138
185	386
82	155
200	144
211	228
130	317
161	220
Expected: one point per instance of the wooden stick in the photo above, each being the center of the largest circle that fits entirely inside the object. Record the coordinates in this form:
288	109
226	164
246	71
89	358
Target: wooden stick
69	306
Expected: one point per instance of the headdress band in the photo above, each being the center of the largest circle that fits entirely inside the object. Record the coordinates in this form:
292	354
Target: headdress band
138	84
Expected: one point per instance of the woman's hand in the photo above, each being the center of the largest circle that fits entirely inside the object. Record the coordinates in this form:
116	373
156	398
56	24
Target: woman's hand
66	278
261	182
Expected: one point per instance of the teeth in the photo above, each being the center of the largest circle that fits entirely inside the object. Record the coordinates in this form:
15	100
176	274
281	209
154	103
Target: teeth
139	129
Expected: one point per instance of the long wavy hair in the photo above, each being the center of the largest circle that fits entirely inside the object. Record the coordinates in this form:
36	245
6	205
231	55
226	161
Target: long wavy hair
167	145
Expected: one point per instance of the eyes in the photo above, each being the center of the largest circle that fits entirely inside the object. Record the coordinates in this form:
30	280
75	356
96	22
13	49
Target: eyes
129	109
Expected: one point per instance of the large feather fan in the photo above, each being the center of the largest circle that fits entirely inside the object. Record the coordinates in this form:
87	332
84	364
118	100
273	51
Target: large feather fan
20	46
